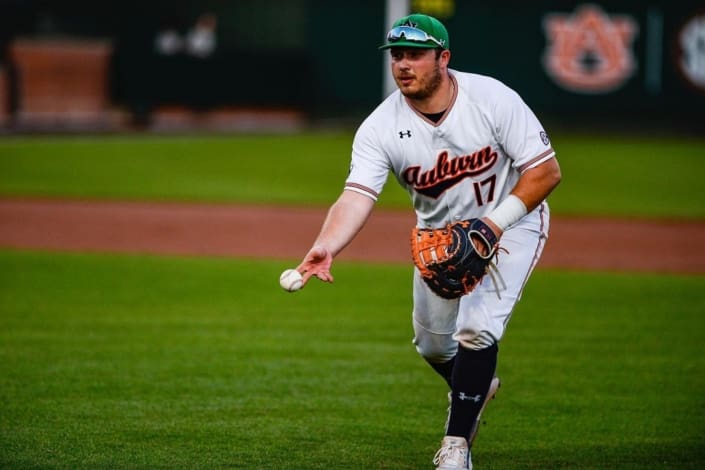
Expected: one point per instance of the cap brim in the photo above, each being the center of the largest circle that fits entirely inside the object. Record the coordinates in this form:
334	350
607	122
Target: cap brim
418	45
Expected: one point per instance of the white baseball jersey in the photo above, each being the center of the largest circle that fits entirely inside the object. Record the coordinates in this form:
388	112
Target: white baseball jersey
458	168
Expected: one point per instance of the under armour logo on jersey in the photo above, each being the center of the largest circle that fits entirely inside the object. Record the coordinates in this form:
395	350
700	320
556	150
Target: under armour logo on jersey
475	398
402	134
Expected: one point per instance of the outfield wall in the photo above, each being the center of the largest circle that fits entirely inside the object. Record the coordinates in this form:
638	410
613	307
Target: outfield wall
620	61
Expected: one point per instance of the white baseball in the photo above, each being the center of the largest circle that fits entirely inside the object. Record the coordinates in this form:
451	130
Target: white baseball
291	280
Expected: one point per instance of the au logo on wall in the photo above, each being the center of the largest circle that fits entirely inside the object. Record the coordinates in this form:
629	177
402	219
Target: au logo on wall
589	51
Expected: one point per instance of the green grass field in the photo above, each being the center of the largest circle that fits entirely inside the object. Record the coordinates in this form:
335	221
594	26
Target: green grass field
631	176
125	362
148	362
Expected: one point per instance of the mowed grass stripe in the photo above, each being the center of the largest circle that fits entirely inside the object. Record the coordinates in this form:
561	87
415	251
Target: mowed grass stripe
629	176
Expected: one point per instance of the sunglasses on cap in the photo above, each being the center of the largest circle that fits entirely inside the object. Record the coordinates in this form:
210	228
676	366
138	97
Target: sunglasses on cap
407	33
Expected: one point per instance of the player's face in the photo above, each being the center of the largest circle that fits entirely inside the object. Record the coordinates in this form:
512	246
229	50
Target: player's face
417	71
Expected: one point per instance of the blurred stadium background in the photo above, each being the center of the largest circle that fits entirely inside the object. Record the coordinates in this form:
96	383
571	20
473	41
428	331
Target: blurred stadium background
80	65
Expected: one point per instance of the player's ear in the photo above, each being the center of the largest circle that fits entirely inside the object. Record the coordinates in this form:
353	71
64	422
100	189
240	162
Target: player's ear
444	57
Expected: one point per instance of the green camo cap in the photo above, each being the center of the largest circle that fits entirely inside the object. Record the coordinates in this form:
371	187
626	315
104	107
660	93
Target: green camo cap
436	35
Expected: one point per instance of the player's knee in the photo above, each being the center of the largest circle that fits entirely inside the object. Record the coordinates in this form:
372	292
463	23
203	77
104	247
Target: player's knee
475	339
435	348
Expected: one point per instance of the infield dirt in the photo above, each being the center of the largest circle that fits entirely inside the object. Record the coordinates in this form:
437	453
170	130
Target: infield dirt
286	233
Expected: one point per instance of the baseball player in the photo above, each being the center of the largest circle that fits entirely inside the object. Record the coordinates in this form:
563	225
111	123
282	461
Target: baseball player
464	146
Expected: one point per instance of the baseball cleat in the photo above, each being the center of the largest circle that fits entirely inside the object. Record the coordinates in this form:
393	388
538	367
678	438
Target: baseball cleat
454	454
494	386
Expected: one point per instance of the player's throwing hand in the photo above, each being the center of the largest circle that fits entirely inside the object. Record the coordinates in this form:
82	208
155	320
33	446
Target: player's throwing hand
317	263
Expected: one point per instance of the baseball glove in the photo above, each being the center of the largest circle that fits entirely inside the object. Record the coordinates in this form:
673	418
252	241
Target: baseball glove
447	259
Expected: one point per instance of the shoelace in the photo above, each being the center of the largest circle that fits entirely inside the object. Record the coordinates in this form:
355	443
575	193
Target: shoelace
453	453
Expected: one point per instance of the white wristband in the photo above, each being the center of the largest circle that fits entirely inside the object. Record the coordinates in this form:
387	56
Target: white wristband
508	212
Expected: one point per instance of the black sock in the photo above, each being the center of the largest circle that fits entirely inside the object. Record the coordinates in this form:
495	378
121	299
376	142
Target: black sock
444	369
472	374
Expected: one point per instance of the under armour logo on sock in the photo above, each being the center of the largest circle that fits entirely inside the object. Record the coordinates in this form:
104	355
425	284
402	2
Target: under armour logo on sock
464	397
402	134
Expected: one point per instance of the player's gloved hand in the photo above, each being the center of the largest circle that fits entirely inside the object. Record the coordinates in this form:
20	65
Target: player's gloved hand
452	260
317	262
